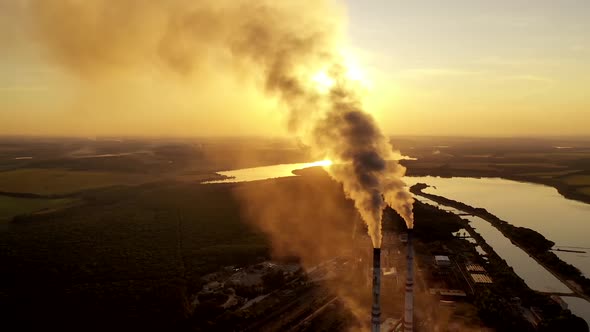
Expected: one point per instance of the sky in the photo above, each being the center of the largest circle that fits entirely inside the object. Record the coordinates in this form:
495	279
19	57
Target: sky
466	68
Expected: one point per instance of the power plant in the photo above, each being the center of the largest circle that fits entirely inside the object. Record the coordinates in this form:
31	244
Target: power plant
407	318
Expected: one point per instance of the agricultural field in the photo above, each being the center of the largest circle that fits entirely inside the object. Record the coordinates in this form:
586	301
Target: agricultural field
14	206
62	181
561	163
127	254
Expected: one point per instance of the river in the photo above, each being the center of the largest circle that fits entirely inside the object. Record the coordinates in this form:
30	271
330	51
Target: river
535	276
563	221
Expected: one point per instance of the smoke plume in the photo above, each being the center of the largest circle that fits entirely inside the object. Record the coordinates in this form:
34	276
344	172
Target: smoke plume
279	44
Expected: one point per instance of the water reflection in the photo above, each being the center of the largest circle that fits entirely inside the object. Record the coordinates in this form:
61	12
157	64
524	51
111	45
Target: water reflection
534	206
578	307
277	171
535	276
529	205
266	172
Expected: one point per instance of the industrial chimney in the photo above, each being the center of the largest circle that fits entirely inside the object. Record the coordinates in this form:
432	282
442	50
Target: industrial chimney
376	310
409	299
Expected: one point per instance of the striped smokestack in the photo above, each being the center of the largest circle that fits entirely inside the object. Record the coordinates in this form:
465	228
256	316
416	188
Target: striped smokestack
409	299
376	310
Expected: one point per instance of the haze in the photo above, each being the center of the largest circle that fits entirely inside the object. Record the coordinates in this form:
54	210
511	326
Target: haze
459	68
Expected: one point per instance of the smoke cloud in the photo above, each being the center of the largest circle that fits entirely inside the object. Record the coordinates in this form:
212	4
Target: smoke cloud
309	217
280	45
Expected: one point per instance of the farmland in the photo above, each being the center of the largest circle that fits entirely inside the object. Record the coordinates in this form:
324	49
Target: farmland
14	206
62	181
129	254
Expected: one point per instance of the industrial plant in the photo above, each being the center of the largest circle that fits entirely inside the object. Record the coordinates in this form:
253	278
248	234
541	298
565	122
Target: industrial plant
406	321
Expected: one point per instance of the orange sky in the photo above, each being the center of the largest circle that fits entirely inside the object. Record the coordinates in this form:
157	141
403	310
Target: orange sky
466	68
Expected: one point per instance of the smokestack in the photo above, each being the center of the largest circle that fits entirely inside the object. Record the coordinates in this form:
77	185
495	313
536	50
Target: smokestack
409	299
376	311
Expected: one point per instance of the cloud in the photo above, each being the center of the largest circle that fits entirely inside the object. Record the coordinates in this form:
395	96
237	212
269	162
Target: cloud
440	72
499	61
528	78
23	88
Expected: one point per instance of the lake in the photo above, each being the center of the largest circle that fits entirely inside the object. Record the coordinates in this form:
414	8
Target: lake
265	172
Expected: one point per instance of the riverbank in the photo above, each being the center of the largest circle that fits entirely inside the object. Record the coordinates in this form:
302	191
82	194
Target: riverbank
502	304
531	242
560	162
565	190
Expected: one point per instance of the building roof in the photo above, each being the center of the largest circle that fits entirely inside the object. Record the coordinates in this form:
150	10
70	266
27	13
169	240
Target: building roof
474	268
447	292
481	278
389	271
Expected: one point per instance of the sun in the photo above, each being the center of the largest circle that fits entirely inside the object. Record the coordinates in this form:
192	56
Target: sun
323	82
353	73
323	163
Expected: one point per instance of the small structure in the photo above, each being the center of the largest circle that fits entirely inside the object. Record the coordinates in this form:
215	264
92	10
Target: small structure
391	325
480	278
403	238
537	313
448	294
390	277
559	301
475	268
442	261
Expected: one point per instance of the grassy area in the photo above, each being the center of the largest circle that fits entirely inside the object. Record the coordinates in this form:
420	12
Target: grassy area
128	255
549	175
13	206
136	254
577	180
473	166
61	181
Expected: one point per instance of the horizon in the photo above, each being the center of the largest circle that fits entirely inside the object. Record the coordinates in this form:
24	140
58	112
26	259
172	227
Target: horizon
286	137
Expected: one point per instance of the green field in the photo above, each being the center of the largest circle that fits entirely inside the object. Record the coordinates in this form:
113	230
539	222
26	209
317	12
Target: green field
13	206
60	181
129	254
549	175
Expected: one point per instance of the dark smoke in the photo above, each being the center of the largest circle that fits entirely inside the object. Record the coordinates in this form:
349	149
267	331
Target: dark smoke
279	44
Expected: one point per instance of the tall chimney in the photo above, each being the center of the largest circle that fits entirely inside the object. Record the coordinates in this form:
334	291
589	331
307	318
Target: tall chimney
376	310
409	300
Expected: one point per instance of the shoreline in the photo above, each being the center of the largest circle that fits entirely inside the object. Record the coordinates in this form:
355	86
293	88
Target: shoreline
568	192
495	222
